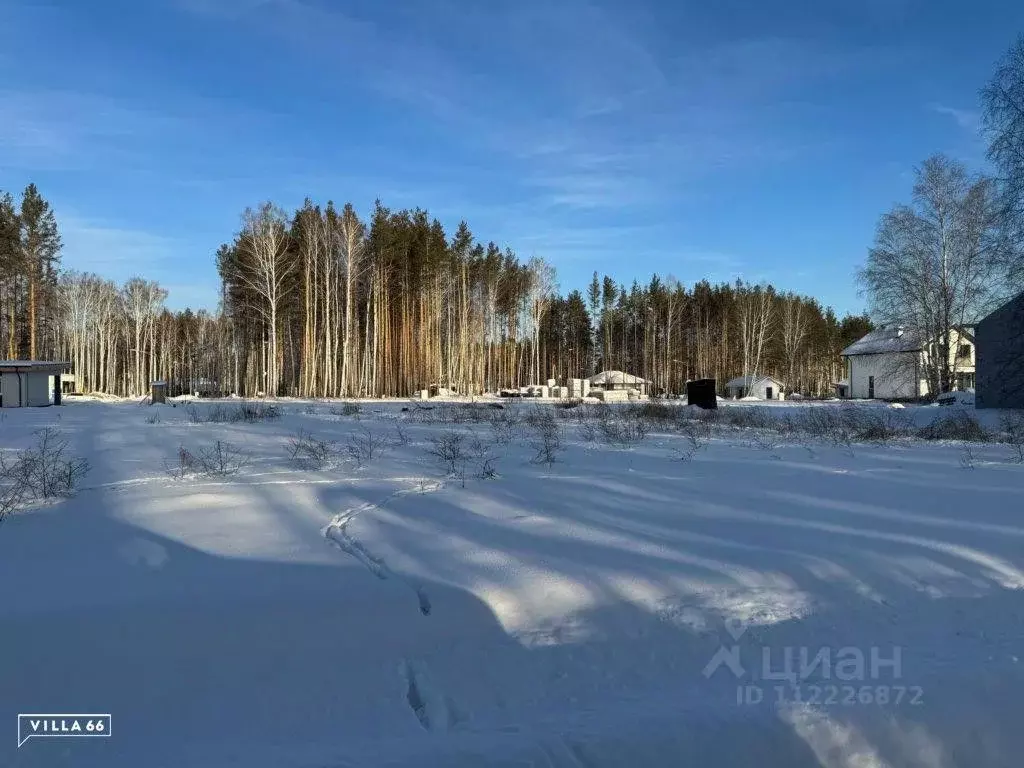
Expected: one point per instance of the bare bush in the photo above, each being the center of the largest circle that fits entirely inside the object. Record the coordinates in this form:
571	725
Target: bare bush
589	431
696	434
12	496
314	451
653	411
222	458
401	435
766	440
504	425
547	435
184	464
153	418
364	445
450	451
1012	427
831	424
746	418
565	405
956	426
219	413
624	429
43	471
483	458
967	456
347	410
878	426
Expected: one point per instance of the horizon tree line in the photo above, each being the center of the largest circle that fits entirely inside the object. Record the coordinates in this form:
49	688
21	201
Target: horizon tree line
322	304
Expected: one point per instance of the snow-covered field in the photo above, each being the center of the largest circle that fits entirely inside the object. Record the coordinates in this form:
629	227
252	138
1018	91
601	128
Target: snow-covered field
622	607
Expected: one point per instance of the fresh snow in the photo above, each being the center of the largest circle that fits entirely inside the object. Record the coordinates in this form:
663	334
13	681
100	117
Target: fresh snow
386	615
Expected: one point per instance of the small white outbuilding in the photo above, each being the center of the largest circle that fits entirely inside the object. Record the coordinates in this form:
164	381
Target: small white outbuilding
761	387
27	383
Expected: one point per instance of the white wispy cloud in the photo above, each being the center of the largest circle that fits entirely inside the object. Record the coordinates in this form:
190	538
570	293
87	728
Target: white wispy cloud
567	103
92	245
119	252
968	119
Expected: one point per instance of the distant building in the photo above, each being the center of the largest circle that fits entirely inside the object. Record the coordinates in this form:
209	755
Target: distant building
619	381
891	363
1000	374
761	387
25	383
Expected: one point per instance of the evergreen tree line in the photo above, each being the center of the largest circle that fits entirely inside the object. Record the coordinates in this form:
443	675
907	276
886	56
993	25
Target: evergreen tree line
322	304
29	266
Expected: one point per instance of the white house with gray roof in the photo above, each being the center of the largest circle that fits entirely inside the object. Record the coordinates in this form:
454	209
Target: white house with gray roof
891	363
761	387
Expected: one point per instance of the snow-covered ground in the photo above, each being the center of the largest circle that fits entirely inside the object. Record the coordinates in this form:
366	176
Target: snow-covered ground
622	607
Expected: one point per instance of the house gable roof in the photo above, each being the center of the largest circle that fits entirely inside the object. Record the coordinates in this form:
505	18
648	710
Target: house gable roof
890	339
887	340
616	377
745	381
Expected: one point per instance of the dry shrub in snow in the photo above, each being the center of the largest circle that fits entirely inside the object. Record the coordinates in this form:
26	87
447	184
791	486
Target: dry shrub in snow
832	424
624	429
653	411
220	459
184	464
230	414
11	496
348	409
878	426
565	405
547	434
766	440
453	413
43	471
450	451
504	425
956	426
1012	427
967	457
697	433
364	446
401	436
314	451
744	417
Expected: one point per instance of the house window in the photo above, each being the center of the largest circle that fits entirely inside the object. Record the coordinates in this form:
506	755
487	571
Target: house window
964	352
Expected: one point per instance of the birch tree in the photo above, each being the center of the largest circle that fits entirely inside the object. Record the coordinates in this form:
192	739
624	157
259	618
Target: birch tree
264	266
794	334
350	237
935	264
756	318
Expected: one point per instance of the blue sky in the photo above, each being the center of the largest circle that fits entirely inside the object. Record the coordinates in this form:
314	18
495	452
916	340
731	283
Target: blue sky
749	138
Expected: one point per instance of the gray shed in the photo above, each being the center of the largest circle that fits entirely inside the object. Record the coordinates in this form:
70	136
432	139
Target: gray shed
25	383
1000	357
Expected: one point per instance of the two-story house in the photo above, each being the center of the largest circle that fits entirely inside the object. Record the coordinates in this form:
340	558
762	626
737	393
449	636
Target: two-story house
893	363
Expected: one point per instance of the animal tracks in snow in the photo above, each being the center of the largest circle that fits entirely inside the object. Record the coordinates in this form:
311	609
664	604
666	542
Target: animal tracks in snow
434	710
337	533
